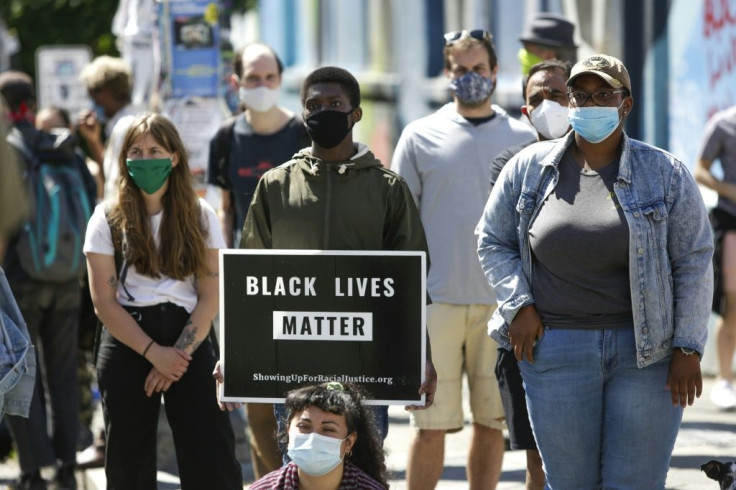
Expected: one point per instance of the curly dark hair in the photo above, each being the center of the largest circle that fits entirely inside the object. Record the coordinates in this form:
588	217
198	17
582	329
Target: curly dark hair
342	399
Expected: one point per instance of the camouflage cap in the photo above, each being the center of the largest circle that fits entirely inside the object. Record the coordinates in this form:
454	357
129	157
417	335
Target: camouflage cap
610	69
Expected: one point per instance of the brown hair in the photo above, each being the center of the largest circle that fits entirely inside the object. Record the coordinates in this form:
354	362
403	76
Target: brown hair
465	43
182	250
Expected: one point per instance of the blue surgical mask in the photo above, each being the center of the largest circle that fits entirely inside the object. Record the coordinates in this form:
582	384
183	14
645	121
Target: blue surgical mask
314	453
594	124
99	113
471	88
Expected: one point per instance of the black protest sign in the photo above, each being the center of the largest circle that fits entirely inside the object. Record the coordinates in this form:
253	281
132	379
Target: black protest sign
291	318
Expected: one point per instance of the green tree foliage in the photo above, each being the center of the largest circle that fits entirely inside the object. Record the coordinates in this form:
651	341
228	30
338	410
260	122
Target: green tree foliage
240	5
50	22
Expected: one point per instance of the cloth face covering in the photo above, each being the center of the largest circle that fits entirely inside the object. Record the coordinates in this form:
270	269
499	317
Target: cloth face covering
149	174
471	88
328	128
550	119
314	453
594	124
259	99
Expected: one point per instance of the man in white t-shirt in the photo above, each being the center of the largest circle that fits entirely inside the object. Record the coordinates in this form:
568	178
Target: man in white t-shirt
109	85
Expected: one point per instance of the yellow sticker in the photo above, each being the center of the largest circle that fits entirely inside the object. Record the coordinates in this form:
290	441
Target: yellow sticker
210	13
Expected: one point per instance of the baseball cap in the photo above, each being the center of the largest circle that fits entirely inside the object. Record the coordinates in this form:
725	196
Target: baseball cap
610	69
549	30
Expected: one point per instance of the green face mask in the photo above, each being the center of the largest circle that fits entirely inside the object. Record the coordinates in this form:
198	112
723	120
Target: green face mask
149	174
527	60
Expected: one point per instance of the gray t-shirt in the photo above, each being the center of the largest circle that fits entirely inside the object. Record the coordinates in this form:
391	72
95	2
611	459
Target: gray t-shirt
719	142
580	249
444	159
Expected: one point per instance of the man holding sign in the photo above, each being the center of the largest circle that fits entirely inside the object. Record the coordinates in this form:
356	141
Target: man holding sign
336	196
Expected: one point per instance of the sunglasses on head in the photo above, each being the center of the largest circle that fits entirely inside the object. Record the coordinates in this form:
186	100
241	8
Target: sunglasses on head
479	34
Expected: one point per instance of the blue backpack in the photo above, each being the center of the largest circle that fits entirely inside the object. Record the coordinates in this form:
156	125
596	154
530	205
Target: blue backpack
50	242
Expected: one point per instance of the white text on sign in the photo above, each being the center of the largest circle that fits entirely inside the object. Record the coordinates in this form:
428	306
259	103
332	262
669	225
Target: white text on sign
375	287
317	325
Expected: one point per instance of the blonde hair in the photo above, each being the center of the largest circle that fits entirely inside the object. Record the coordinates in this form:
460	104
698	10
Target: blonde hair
183	234
111	73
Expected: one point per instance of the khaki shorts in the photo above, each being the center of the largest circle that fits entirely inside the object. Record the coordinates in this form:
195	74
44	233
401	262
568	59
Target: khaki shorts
460	345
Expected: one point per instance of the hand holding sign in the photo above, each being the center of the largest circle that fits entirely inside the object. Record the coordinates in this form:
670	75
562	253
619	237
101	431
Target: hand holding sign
219	380
428	388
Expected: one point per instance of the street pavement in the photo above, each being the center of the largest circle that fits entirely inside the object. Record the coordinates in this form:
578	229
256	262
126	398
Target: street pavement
706	434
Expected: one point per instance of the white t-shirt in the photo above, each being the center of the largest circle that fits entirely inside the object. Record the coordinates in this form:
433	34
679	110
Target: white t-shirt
149	291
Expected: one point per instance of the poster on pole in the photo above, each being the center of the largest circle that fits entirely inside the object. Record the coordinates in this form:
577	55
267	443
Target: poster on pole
57	72
291	318
191	39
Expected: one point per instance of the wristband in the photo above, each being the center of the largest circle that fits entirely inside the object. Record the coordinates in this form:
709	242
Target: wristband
147	347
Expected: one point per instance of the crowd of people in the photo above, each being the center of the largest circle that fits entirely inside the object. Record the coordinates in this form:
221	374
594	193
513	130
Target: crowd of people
571	275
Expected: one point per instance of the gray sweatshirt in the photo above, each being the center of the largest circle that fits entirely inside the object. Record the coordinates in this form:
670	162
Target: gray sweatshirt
445	161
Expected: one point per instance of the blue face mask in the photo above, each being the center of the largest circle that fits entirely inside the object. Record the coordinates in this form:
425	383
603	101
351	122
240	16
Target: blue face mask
99	113
594	124
314	453
471	88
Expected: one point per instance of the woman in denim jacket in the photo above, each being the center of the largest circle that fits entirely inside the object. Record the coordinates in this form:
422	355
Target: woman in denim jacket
599	250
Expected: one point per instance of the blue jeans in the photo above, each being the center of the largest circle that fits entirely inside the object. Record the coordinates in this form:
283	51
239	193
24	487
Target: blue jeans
599	421
380	417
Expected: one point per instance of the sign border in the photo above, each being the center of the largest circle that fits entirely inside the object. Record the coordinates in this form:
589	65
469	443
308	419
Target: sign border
393	253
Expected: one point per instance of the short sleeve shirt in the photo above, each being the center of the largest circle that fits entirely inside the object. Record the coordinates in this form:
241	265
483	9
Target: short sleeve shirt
251	155
149	291
719	142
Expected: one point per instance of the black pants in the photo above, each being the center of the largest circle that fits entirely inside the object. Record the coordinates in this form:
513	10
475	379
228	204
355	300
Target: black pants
51	312
203	436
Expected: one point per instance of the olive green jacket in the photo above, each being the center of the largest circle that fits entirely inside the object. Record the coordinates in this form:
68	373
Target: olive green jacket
355	205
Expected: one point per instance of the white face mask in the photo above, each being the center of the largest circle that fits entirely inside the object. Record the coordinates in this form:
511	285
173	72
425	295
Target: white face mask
314	453
550	119
259	99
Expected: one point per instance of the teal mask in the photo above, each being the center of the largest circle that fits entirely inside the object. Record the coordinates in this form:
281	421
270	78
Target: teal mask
149	174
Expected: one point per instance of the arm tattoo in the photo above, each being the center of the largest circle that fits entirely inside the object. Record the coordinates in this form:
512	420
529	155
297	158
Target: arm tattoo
188	337
214	274
113	282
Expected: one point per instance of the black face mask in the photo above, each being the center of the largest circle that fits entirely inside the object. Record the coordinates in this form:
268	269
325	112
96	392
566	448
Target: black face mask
328	128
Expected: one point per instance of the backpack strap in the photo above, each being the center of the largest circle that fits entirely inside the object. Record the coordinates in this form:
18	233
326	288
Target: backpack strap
16	140
223	145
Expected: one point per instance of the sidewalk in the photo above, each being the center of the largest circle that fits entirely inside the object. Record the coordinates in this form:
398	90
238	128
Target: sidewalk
706	434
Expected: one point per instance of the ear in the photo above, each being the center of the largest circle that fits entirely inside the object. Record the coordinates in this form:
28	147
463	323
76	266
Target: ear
174	159
628	105
357	115
494	71
234	81
713	469
350	442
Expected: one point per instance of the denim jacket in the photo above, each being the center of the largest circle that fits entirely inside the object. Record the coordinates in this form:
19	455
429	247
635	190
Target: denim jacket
17	356
670	243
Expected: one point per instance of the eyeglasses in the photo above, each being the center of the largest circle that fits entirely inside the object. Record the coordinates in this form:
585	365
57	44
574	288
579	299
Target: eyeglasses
601	97
479	34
